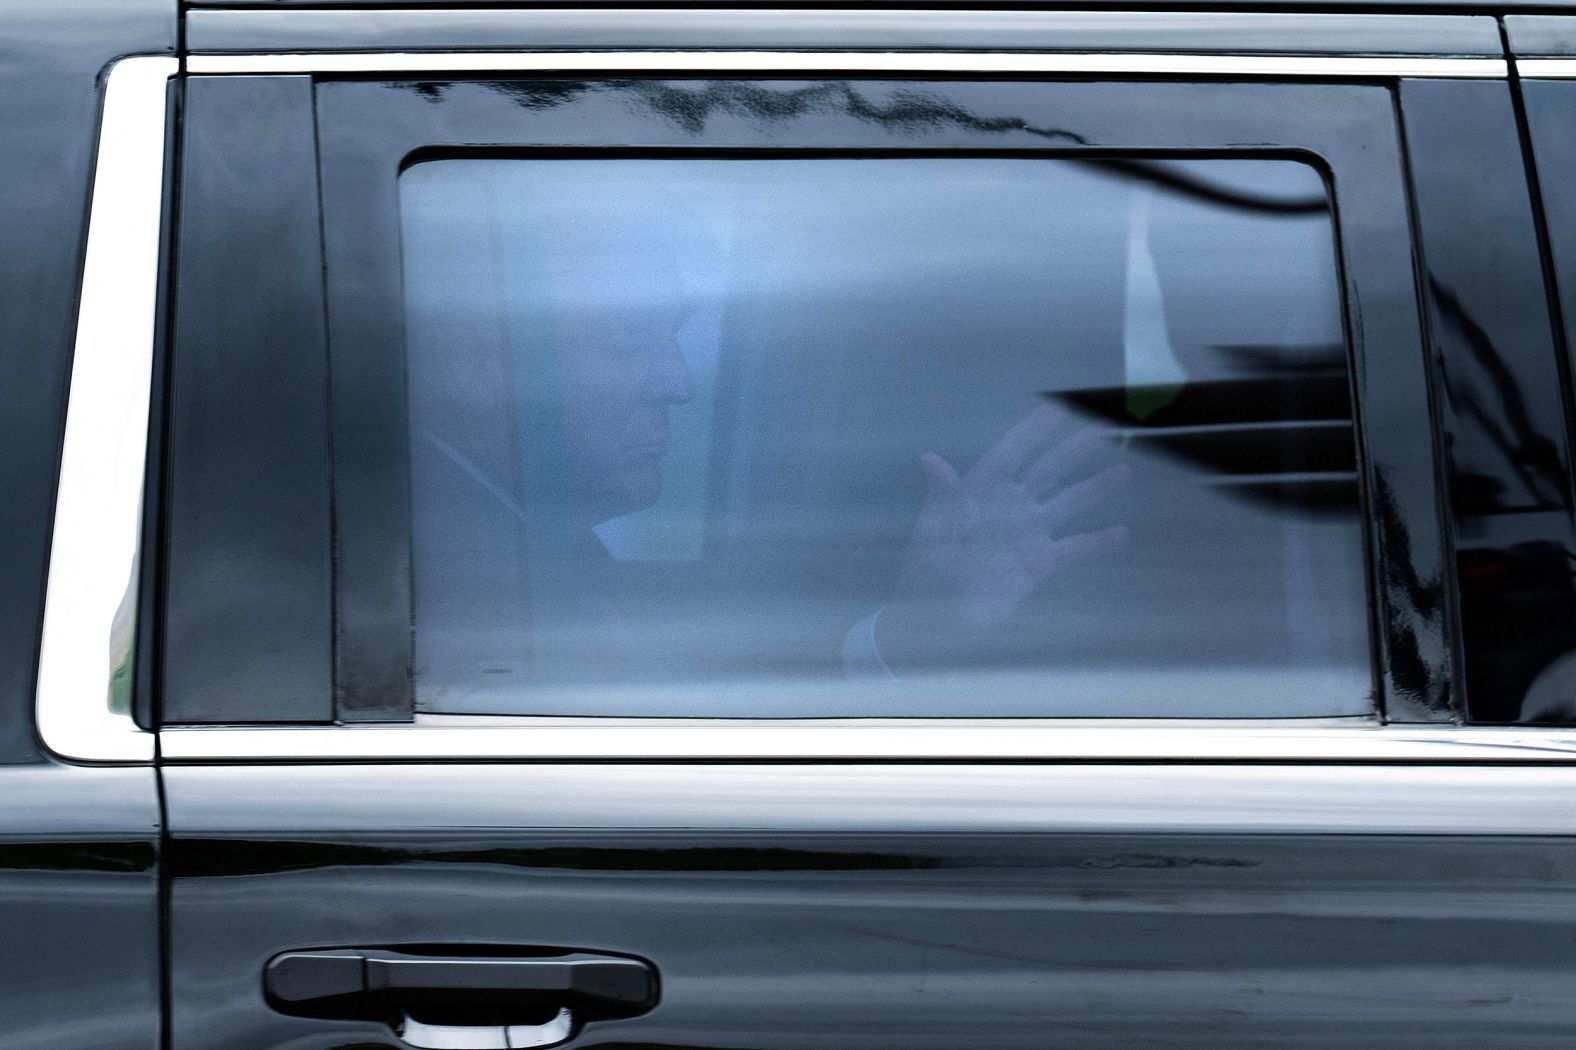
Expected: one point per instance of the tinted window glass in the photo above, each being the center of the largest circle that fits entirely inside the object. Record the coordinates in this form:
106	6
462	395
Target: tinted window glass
880	436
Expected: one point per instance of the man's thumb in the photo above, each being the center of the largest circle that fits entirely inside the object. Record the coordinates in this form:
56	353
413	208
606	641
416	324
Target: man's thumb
941	481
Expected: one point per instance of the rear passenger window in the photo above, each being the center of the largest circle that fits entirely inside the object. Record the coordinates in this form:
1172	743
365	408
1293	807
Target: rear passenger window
844	436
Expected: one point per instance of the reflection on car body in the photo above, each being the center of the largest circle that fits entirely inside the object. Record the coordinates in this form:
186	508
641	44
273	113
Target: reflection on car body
786	529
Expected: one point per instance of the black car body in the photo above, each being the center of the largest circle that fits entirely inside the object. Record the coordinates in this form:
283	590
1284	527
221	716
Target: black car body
239	811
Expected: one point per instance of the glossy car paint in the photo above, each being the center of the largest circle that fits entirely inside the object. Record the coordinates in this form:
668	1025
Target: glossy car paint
790	908
1540	36
833	906
1551	121
53	57
1499	377
79	904
79	899
845	905
1188	32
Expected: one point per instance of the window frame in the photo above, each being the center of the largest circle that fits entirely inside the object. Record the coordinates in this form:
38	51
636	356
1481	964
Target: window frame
369	130
959	739
1501	388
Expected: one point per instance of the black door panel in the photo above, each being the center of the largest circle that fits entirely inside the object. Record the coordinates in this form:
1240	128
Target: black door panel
79	891
79	904
799	906
903	906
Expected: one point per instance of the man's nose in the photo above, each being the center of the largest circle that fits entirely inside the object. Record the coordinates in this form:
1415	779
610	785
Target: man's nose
671	381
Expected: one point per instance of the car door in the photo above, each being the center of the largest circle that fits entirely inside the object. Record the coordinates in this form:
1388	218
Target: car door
79	841
542	663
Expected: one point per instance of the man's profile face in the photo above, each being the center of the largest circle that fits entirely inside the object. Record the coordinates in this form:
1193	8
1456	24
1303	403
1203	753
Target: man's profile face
620	371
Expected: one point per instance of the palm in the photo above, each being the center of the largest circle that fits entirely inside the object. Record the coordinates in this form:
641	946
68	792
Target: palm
989	538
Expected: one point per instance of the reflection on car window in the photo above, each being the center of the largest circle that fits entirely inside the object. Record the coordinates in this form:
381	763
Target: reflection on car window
880	436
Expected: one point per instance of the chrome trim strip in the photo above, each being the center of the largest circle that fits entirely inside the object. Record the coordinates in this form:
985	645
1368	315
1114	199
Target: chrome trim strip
847	62
327	803
1546	68
898	740
88	636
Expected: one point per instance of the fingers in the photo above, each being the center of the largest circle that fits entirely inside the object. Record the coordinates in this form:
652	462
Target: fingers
941	480
1056	555
943	497
1085	495
1062	461
1007	456
1088	545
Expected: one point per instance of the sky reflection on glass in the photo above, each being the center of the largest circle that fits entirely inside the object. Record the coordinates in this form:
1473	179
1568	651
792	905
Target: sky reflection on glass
918	436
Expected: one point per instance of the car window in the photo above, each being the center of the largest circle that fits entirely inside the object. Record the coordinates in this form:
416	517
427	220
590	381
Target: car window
775	398
843	436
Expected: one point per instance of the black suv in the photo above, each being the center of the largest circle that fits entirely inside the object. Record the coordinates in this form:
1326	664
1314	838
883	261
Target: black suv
779	529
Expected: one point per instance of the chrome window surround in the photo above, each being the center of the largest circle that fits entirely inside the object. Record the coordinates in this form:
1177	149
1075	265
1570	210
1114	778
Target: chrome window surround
1546	68
88	640
956	740
850	62
97	514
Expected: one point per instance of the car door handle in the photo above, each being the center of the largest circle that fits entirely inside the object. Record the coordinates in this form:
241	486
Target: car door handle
489	1001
